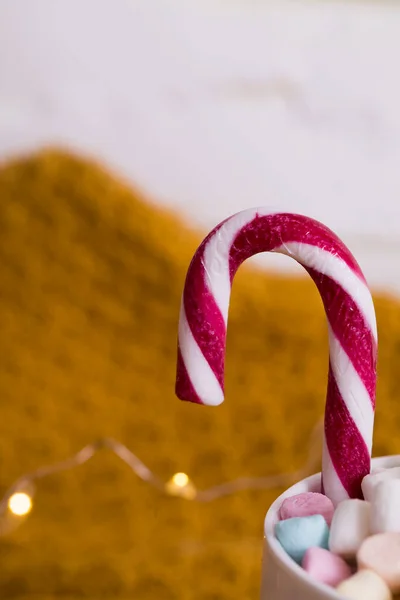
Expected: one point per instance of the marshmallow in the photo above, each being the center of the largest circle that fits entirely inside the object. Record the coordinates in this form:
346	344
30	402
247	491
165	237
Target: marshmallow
325	567
298	534
364	585
385	506
381	553
305	505
369	482
349	528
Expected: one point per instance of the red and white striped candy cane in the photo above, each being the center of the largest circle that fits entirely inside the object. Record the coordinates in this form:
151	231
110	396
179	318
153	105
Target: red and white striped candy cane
350	402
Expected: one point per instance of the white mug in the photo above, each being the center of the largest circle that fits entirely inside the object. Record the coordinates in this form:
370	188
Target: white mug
282	578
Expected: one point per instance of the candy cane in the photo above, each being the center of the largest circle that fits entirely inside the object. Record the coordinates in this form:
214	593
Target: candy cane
350	402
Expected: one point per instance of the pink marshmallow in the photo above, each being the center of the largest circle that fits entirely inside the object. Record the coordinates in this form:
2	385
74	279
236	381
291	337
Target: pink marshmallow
326	567
306	505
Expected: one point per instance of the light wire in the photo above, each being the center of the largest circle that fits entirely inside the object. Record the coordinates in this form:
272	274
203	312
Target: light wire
180	484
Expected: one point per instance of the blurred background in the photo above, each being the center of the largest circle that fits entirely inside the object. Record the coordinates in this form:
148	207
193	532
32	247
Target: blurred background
128	128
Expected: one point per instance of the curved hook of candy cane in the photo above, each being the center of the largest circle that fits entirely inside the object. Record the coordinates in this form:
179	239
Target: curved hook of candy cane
350	402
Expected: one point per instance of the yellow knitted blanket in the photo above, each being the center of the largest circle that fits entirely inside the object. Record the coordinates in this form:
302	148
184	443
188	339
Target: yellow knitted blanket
91	278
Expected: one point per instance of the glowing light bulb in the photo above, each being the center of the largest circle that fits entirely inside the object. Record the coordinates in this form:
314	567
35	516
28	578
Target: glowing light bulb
180	485
180	479
20	504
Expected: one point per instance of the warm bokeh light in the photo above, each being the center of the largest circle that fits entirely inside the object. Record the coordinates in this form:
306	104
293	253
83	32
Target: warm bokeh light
20	504
180	479
180	485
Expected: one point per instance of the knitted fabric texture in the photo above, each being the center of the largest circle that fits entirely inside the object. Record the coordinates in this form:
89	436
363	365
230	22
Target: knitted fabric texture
91	279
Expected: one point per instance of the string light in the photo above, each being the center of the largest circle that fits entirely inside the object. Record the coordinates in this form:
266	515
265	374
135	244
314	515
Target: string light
17	502
180	485
20	504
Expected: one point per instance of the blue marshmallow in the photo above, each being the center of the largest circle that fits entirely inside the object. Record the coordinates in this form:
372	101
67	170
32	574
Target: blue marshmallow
298	534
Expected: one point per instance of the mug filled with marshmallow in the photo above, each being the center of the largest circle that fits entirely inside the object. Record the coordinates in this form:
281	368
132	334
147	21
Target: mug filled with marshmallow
335	534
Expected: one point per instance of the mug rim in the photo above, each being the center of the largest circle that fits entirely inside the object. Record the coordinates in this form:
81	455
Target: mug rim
309	484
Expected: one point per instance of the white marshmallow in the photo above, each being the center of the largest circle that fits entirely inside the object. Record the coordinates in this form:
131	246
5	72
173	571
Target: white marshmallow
371	481
385	507
349	528
381	553
364	585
